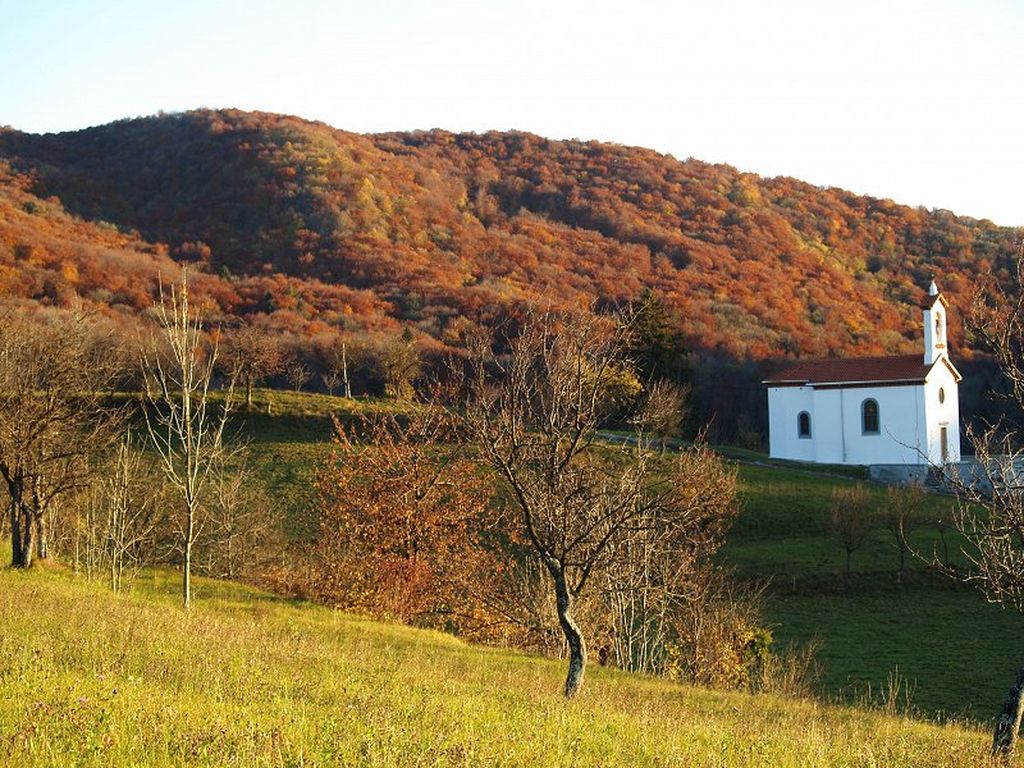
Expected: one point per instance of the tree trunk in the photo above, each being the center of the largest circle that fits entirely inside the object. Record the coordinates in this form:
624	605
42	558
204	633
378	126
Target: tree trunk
248	394
17	551
344	372
186	578
1008	725
24	552
42	544
573	638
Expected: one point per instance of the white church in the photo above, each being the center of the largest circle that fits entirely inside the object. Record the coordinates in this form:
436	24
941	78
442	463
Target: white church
871	410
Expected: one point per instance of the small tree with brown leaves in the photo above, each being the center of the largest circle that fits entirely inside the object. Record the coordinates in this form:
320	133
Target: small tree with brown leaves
849	518
251	355
399	364
902	513
402	524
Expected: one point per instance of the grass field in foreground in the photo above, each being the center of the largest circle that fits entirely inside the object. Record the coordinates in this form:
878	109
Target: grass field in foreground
94	679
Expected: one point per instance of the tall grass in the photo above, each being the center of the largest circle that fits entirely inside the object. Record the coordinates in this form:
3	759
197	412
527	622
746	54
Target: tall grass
246	679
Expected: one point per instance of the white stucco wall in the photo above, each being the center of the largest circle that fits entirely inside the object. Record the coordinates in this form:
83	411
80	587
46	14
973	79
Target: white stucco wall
910	417
938	415
830	444
901	437
784	407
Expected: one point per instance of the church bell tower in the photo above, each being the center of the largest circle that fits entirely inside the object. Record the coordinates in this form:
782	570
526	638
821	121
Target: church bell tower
935	308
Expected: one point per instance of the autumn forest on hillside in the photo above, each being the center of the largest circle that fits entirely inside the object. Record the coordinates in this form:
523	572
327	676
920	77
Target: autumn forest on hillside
311	234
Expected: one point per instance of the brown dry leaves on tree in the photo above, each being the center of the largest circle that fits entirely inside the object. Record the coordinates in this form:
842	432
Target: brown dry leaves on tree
402	525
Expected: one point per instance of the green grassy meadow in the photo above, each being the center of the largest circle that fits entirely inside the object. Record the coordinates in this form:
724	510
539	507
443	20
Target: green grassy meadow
91	678
287	434
955	654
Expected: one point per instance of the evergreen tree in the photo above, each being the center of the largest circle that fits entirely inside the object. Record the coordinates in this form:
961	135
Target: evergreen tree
658	346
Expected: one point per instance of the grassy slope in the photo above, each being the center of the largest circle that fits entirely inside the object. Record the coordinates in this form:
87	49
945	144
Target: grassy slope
245	679
957	653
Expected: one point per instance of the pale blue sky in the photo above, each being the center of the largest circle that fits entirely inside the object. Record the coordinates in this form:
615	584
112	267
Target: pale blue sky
922	102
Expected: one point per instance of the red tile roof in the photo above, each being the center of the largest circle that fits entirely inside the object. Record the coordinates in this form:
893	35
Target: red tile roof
929	301
850	370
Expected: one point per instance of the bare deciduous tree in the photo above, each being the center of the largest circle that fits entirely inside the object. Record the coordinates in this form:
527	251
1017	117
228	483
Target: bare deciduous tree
990	519
87	534
297	373
660	563
240	537
344	371
53	378
990	509
535	419
185	427
331	379
534	413
115	520
335	371
664	411
996	322
132	512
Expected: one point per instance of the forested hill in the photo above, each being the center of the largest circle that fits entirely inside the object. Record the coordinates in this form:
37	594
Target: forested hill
312	228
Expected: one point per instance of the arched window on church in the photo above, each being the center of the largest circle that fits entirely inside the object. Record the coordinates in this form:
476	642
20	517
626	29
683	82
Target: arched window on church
938	328
803	424
869	416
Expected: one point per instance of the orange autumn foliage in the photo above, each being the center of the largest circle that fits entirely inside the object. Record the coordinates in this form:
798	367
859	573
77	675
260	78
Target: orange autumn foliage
319	230
403	526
